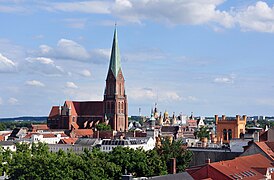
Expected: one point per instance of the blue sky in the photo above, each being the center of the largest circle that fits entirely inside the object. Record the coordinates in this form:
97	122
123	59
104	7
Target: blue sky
207	57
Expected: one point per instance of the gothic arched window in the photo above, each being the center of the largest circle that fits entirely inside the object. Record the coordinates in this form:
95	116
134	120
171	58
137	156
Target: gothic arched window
225	134
229	134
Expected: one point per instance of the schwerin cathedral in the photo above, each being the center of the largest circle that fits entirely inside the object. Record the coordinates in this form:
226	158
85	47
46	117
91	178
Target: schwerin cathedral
86	114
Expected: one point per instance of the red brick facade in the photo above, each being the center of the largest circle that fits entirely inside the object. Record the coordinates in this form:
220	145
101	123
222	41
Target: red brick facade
87	114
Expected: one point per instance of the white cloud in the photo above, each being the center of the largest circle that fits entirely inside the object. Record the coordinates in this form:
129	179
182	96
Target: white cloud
65	49
85	73
171	96
149	94
45	49
6	65
71	85
183	12
258	17
70	49
1	101
12	101
225	80
142	93
11	9
44	66
100	55
98	7
42	60
35	83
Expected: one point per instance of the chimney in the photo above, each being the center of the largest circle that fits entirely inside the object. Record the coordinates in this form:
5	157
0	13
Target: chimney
237	118
172	168
207	161
244	117
97	134
223	117
216	119
60	110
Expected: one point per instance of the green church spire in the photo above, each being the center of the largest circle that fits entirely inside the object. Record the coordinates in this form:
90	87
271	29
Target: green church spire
115	61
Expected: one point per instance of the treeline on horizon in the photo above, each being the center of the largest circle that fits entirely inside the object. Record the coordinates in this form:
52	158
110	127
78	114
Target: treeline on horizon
35	161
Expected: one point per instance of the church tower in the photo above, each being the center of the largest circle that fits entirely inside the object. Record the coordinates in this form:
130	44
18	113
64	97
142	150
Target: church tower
115	98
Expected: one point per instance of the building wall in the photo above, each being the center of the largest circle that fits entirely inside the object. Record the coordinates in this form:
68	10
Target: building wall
236	126
254	149
200	156
270	135
68	147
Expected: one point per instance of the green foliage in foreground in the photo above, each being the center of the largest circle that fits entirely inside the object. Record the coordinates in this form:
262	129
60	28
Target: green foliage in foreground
103	127
36	162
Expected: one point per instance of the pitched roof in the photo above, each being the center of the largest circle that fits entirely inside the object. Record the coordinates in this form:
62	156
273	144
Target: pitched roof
267	148
46	135
115	61
39	127
173	129
244	167
178	176
86	108
68	141
82	133
54	112
87	141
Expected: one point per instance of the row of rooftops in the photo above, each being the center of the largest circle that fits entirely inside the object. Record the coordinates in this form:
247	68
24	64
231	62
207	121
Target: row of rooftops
245	167
115	142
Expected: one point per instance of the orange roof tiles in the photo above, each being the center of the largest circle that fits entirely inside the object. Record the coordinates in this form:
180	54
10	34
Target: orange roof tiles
267	148
68	141
47	135
85	108
54	112
75	125
82	133
39	127
244	167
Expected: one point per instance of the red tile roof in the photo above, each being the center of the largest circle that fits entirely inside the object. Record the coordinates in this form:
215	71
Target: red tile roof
47	135
267	148
54	112
245	167
75	125
36	127
86	108
68	141
50	135
28	136
82	133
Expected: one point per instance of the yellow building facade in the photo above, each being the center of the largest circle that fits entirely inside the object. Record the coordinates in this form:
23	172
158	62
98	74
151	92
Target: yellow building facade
229	128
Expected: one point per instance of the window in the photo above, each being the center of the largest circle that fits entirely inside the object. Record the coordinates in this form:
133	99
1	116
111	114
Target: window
120	89
225	134
229	134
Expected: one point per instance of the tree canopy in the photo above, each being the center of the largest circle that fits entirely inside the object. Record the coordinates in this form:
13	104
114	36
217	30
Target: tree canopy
35	161
103	127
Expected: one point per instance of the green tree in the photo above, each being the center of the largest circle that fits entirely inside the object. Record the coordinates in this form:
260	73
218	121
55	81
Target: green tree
203	132
103	127
174	149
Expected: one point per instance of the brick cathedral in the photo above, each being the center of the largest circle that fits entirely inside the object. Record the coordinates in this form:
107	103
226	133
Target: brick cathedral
87	114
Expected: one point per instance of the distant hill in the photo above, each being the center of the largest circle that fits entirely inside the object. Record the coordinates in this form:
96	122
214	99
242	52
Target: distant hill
25	118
